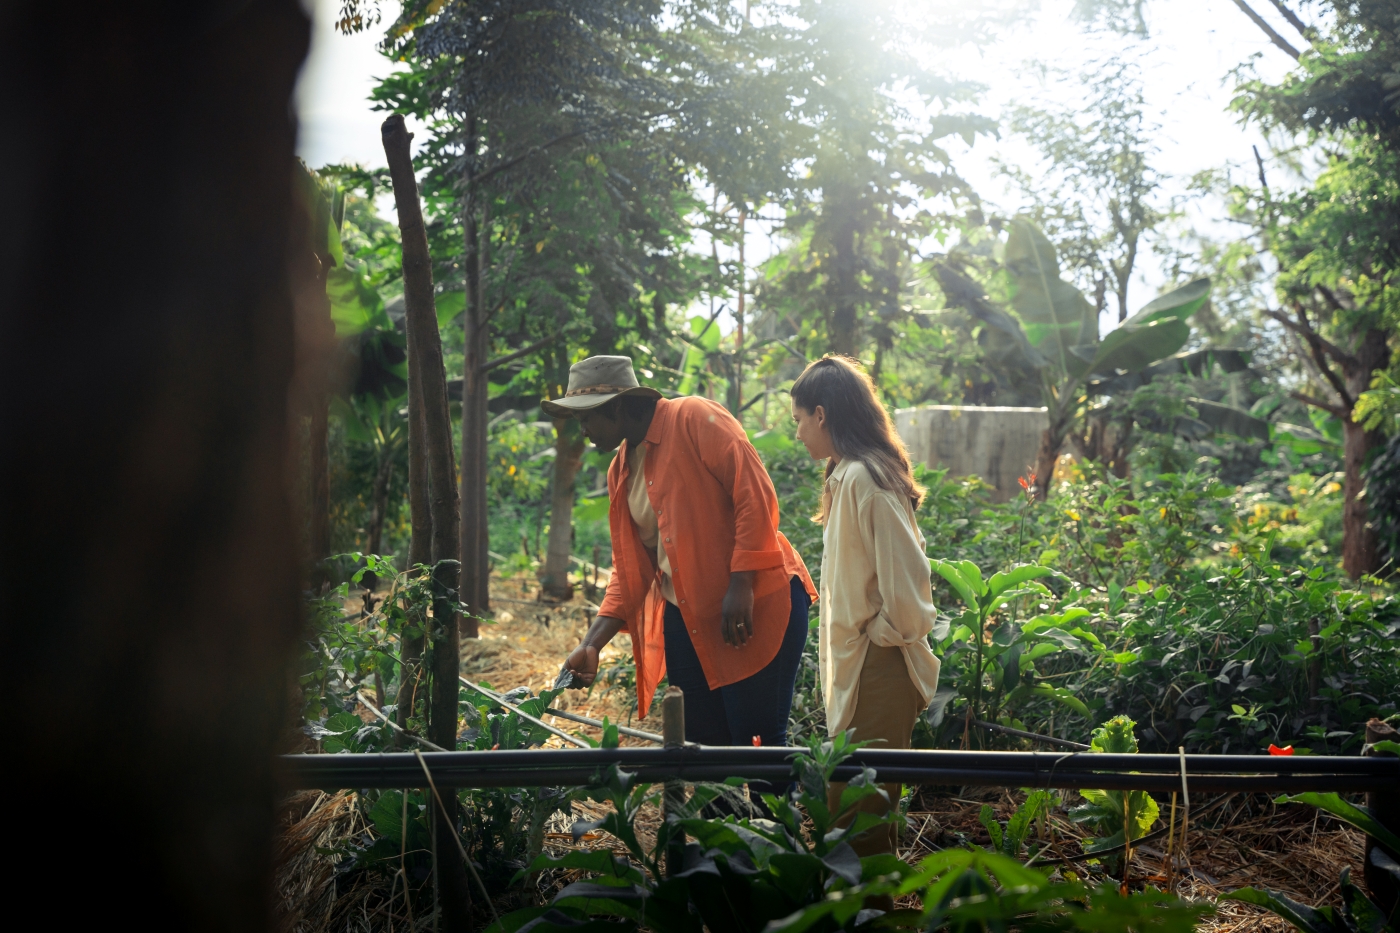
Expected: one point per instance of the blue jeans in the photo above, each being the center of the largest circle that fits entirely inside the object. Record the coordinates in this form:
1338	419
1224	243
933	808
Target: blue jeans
756	706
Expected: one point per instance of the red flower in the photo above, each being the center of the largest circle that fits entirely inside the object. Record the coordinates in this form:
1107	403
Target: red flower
1275	750
1026	481
757	741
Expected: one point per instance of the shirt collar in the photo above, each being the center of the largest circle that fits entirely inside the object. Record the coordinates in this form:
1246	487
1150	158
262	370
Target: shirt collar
660	421
841	470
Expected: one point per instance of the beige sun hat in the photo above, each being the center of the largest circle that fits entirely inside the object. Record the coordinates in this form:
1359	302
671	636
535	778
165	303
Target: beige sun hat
597	381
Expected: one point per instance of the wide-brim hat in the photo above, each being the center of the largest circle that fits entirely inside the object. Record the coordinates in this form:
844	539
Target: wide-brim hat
597	381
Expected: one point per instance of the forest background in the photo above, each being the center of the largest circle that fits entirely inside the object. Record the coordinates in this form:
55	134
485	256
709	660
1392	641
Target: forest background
725	192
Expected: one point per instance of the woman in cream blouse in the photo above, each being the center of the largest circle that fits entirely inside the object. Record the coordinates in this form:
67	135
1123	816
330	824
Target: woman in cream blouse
878	672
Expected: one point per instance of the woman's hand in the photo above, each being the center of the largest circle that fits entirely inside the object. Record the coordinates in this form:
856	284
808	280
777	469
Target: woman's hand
737	609
583	660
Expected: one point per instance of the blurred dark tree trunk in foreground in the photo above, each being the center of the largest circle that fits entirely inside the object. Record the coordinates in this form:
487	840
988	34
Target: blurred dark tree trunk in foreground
151	550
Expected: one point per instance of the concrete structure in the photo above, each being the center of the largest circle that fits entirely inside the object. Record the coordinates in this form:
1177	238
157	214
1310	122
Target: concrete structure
997	444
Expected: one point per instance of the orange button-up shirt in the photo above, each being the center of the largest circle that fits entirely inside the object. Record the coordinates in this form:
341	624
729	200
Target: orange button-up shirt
716	513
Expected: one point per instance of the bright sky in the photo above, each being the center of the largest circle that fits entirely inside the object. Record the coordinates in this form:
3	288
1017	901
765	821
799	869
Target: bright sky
1185	67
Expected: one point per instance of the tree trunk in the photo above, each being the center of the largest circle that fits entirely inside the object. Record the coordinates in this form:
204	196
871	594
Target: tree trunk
1045	459
568	455
379	505
1360	550
1360	553
420	544
379	497
179	550
425	356
476	566
843	316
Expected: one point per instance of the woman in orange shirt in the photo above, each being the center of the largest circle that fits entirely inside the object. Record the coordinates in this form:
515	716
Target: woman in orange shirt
712	594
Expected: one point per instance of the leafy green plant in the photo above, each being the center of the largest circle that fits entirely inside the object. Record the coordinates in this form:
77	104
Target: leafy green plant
1009	839
1001	664
1358	913
969	890
1118	816
739	875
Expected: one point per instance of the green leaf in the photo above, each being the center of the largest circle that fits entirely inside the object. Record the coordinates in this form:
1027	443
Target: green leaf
1229	420
953	574
1177	304
1115	737
1061	695
1055	314
1002	581
448	305
355	306
1360	817
1308	919
1134	347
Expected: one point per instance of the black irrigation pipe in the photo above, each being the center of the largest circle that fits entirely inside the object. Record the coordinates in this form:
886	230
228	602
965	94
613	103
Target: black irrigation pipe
559	767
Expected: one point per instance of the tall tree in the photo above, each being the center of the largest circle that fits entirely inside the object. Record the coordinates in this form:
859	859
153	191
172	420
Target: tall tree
855	220
545	108
1338	245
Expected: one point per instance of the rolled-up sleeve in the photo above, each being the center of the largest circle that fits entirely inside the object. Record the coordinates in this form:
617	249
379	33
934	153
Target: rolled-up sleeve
902	571
727	454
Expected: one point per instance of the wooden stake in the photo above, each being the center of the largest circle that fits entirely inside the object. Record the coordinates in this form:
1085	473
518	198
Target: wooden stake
673	796
1185	847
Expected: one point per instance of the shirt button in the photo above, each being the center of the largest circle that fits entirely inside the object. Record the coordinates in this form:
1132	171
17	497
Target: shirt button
682	602
650	483
668	540
693	632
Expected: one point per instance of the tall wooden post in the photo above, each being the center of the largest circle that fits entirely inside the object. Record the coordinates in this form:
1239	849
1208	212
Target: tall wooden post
673	796
425	358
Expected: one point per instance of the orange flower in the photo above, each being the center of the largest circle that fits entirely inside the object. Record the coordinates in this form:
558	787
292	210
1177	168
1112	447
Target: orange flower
1275	750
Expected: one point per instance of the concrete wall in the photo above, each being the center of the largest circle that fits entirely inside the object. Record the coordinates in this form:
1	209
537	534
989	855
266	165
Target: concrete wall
997	444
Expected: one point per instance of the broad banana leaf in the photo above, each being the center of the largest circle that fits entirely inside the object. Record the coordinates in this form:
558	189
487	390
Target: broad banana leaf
1134	347
355	306
1155	332
1002	338
1196	362
1056	317
1227	420
1179	303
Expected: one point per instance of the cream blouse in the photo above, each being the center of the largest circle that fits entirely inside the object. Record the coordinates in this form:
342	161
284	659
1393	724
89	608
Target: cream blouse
875	589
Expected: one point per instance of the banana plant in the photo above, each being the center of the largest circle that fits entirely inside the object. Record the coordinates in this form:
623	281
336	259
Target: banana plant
1053	330
1005	661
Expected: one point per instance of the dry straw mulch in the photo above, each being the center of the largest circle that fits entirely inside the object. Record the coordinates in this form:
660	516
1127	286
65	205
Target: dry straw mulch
1246	840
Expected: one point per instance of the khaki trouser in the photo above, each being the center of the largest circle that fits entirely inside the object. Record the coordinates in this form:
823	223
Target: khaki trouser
886	707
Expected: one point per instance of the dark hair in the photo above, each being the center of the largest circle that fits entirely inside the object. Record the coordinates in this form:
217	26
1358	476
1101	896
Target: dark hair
860	427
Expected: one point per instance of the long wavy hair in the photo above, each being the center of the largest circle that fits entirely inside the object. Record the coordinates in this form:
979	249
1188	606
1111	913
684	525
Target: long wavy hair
860	427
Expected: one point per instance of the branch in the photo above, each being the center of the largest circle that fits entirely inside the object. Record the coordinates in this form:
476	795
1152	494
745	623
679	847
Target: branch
1337	410
1310	335
1274	37
1304	30
535	150
517	354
